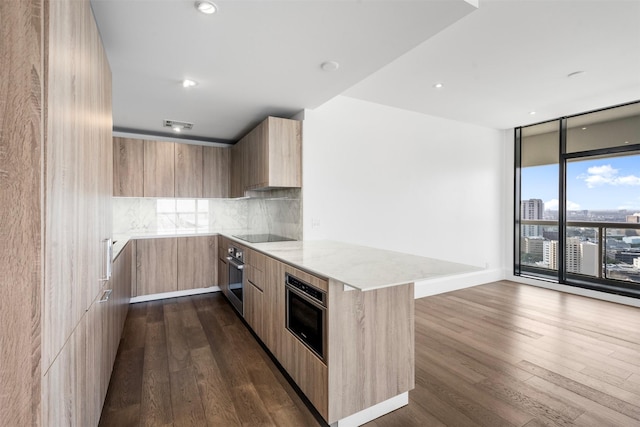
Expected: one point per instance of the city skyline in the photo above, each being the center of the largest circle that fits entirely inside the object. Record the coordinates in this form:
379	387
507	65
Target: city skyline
611	183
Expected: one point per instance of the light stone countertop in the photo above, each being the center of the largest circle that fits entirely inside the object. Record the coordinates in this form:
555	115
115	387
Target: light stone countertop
360	267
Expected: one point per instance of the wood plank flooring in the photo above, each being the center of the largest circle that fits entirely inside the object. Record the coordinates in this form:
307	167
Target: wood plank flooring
501	354
192	362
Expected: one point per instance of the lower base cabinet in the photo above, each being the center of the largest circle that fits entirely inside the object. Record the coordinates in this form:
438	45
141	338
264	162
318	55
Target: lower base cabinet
369	356
175	264
76	383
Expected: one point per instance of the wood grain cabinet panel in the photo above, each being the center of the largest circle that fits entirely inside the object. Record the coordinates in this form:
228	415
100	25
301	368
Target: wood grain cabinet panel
55	207
253	299
128	167
188	170
369	356
159	169
270	156
216	172
197	262
156	266
284	165
21	266
238	168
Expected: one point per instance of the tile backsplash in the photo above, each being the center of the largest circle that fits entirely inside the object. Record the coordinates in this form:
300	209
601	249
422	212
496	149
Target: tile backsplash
275	212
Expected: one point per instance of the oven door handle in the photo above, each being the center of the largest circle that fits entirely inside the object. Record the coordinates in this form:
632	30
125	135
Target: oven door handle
235	263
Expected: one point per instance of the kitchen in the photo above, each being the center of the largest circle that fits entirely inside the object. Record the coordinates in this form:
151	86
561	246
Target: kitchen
339	205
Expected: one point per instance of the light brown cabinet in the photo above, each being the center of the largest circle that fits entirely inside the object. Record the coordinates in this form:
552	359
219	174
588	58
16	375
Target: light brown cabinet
270	156
197	262
253	307
254	299
215	172
188	170
159	169
369	356
275	161
238	168
156	266
223	265
56	152
128	164
146	168
175	264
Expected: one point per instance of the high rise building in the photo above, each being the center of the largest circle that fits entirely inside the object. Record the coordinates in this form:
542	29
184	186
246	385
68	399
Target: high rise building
531	209
533	245
635	218
550	254
572	257
589	259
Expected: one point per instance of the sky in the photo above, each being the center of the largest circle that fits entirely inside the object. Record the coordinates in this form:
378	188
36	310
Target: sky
602	184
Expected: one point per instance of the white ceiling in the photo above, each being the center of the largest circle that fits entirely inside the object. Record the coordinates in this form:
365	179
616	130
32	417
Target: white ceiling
262	57
252	58
512	57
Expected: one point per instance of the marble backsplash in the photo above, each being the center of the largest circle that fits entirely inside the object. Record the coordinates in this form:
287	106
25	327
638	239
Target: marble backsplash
276	212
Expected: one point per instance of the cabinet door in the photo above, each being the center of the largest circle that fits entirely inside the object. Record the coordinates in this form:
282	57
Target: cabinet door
156	266
238	165
285	152
159	172
128	166
197	262
258	157
216	172
188	170
223	276
253	307
274	305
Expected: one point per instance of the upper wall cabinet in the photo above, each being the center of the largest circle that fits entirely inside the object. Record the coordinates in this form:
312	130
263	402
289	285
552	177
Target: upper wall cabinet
270	156
165	169
128	161
215	172
188	170
159	169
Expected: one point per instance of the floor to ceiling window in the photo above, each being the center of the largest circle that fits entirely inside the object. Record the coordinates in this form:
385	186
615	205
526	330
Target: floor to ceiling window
577	213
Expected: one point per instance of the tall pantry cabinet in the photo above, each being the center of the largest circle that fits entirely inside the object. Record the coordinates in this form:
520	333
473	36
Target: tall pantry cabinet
55	212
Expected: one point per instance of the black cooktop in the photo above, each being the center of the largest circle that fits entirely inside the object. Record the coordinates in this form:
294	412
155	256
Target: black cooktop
262	238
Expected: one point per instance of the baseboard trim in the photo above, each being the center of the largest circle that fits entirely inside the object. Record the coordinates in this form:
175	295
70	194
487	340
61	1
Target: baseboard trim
441	285
175	294
373	412
604	296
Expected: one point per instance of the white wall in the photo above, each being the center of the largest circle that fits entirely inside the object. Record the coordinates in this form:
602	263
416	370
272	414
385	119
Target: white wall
389	178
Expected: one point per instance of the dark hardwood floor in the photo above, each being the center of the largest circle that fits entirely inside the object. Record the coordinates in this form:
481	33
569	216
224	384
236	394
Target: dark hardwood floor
501	354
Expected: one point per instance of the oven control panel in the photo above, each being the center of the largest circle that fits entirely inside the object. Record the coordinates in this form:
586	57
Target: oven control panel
306	288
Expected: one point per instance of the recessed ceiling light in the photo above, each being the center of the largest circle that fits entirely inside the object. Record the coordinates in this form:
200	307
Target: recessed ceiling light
330	66
177	129
206	7
576	74
189	83
438	85
532	113
626	142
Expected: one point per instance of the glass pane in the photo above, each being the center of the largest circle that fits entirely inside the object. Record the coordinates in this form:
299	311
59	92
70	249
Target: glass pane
539	198
614	127
622	250
604	191
582	251
604	188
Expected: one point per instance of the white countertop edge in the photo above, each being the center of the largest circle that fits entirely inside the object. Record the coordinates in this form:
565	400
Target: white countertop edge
463	269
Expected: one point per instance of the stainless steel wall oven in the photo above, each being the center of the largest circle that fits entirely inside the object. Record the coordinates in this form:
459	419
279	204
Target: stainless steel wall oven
306	314
235	260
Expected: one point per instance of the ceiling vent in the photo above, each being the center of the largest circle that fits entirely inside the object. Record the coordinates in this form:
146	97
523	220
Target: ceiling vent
173	124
